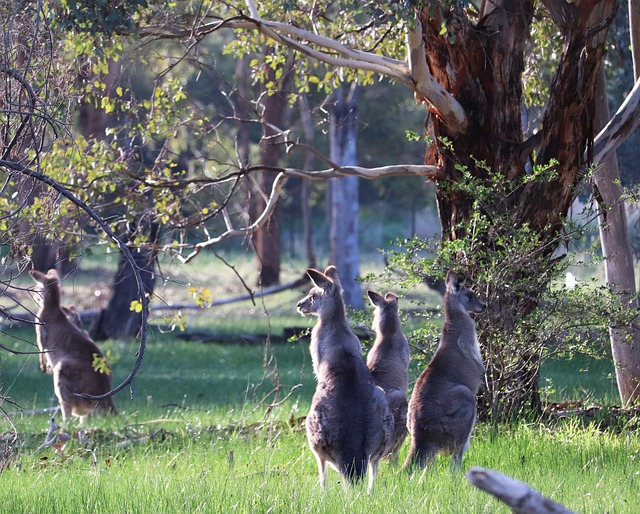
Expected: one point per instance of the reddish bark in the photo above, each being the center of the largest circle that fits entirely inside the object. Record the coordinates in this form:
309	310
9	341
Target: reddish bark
482	65
266	240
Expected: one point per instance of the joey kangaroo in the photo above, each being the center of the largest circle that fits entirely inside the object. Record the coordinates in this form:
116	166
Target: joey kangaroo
68	352
349	425
442	409
388	361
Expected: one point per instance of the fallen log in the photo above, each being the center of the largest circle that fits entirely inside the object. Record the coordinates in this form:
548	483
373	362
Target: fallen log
520	497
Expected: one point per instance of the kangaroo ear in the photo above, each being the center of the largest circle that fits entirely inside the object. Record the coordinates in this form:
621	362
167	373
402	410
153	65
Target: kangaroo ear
391	297
38	276
455	281
332	272
376	299
52	273
318	278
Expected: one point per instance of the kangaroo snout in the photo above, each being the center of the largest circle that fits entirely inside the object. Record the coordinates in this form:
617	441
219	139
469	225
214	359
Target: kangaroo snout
480	308
302	307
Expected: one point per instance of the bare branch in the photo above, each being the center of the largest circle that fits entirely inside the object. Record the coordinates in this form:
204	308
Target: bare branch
396	170
519	496
430	172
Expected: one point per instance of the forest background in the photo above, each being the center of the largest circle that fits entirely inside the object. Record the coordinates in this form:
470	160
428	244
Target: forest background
172	132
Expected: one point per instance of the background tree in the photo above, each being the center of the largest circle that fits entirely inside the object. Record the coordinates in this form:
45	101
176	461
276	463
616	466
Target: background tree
343	198
466	65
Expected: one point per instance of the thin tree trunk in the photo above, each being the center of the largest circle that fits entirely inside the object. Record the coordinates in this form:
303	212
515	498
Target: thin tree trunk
618	257
344	204
242	111
266	240
634	31
305	187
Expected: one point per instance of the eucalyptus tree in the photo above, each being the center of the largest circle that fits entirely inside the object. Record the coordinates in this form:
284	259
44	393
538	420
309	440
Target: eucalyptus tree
466	64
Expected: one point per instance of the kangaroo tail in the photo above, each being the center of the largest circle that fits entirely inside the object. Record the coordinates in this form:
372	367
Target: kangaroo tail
108	405
354	470
410	461
418	457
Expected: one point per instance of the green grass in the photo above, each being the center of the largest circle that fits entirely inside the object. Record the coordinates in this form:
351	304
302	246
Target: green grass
194	403
580	378
188	470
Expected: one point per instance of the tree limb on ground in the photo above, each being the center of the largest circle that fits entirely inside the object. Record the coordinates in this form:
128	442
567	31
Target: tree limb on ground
521	498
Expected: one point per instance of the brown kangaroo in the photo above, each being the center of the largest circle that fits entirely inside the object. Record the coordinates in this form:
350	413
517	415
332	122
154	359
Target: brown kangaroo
68	352
442	409
388	361
349	425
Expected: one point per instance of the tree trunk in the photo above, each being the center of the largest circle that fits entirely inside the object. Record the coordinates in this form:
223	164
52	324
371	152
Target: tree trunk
305	187
119	319
343	200
618	259
266	240
483	68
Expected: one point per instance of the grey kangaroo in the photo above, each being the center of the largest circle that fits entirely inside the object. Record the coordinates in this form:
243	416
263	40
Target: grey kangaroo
349	425
388	361
68	352
442	409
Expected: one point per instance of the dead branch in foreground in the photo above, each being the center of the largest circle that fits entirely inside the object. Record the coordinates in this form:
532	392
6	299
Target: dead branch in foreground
519	496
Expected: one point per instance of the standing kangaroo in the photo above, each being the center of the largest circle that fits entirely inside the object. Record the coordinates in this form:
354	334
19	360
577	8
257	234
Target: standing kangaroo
349	425
388	361
442	410
68	352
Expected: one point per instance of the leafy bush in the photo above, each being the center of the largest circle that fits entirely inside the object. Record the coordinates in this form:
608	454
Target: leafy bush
531	313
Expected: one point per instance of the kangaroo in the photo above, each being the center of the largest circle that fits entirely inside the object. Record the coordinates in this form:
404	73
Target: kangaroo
349	425
68	352
388	361
442	409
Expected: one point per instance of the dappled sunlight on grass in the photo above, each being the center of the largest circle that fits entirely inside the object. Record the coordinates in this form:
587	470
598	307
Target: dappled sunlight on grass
220	428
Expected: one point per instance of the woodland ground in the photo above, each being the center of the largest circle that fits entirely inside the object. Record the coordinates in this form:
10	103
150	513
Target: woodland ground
219	427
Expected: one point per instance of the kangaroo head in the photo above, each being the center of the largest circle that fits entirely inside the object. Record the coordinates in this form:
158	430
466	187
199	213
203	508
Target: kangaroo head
377	300
48	286
464	296
326	294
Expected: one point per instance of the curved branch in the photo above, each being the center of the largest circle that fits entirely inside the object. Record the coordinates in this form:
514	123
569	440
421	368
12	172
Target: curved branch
416	76
272	201
128	381
622	124
428	90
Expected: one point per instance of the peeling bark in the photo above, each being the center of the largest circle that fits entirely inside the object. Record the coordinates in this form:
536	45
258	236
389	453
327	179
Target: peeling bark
483	69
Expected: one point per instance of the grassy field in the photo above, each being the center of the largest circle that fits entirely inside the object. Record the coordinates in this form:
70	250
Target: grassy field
219	428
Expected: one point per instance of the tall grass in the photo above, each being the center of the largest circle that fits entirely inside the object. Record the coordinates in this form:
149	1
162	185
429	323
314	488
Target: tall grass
219	428
273	471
